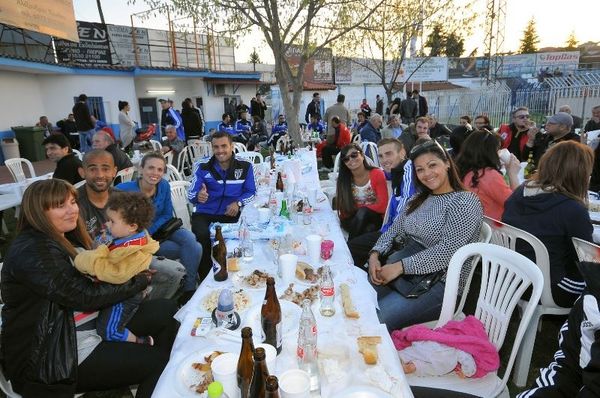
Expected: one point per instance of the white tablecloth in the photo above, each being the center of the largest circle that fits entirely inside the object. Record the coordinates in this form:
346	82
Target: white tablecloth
337	329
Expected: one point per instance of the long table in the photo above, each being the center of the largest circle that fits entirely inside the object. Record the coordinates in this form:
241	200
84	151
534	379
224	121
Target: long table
337	332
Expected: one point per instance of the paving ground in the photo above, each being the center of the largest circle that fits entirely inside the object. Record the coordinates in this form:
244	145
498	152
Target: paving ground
545	345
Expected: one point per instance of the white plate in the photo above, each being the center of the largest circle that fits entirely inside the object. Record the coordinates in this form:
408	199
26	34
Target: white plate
362	392
304	281
239	293
188	376
290	317
238	280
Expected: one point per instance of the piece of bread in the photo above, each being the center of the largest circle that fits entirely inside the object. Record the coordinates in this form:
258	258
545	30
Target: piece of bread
349	308
233	264
367	346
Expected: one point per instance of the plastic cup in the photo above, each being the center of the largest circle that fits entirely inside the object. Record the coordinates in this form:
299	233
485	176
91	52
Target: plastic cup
312	196
314	248
326	249
271	357
504	156
264	215
294	383
287	267
224	370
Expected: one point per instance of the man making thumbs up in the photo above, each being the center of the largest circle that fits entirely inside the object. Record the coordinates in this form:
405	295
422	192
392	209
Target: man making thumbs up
220	187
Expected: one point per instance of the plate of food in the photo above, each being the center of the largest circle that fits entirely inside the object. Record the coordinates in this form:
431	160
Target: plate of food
290	317
256	279
307	275
311	293
194	373
241	300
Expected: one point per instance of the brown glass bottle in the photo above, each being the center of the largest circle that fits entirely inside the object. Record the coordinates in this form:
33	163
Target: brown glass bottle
279	183
258	385
272	387
270	317
245	364
219	253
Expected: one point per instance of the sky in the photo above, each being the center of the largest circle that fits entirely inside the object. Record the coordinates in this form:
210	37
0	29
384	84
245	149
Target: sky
555	20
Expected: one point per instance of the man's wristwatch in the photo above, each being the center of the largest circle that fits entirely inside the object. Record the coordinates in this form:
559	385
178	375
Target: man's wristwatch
240	204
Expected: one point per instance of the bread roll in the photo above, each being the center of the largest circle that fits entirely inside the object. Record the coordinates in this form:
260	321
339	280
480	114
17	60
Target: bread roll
367	346
349	308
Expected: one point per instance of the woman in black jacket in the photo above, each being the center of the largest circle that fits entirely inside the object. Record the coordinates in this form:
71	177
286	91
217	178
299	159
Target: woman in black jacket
49	346
192	125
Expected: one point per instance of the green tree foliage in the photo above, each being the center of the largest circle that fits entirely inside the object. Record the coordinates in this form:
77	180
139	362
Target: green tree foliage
530	39
441	43
571	41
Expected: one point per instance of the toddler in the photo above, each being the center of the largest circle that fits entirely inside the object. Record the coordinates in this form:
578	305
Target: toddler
131	250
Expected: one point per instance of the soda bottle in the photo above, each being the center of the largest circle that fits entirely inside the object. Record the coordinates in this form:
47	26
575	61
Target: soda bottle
273	202
219	256
284	212
529	168
258	385
272	387
306	211
246	244
270	317
327	293
245	364
307	345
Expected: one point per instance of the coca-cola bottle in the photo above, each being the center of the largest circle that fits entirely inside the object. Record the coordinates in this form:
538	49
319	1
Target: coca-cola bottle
270	317
327	293
307	345
245	364
219	254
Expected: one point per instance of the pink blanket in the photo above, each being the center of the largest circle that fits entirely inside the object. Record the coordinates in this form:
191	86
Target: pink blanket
467	335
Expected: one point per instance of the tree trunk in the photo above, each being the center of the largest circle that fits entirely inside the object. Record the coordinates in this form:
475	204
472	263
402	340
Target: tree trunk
291	103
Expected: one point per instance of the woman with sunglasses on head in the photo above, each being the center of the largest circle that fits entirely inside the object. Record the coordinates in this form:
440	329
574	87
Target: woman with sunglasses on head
361	194
479	168
441	218
552	206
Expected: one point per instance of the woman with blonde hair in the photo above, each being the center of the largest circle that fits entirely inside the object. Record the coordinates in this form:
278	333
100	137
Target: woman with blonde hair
49	345
553	207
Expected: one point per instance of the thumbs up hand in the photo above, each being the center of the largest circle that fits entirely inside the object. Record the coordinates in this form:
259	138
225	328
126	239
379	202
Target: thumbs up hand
203	194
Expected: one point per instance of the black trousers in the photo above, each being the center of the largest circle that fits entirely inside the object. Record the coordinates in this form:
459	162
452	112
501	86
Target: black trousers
117	364
327	154
363	221
428	392
200	224
360	247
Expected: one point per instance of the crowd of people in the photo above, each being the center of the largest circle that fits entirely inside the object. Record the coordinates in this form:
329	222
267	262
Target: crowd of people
92	280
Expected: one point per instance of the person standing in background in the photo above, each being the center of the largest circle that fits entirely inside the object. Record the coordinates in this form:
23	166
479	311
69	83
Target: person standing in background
192	125
126	125
313	108
422	108
338	109
408	110
258	107
379	105
84	123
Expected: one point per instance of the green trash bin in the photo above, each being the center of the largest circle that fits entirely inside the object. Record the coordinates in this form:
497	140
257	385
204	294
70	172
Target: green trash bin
30	142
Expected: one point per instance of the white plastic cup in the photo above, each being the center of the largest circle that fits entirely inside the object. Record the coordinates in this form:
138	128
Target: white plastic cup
271	356
264	215
287	267
314	248
224	370
294	383
504	156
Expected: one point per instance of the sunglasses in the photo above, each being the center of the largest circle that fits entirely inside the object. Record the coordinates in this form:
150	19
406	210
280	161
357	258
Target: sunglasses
425	147
352	155
522	116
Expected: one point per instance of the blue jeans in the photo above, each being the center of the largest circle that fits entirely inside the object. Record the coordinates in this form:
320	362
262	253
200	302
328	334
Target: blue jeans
397	311
182	245
85	137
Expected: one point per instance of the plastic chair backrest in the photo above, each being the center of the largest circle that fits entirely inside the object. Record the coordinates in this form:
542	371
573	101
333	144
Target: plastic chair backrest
78	154
183	159
15	166
156	146
125	175
179	191
239	147
198	151
505	276
371	151
172	174
169	157
79	184
356	139
586	251
336	163
250	156
507	236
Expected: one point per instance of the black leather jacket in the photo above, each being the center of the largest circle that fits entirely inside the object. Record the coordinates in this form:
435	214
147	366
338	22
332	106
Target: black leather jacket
41	288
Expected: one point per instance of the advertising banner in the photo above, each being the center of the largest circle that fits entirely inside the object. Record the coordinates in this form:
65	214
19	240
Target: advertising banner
122	45
52	17
562	61
93	47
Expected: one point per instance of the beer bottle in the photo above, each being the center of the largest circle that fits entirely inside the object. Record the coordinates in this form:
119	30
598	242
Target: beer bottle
284	212
270	317
529	168
219	254
258	385
245	363
279	183
272	387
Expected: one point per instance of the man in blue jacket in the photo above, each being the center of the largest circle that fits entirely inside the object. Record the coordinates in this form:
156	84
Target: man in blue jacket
226	125
277	131
242	128
219	189
370	131
170	116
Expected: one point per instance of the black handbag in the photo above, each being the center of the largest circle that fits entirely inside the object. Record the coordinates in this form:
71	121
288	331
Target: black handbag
412	286
167	229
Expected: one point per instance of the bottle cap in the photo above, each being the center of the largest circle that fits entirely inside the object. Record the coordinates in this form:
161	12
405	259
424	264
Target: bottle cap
225	303
215	389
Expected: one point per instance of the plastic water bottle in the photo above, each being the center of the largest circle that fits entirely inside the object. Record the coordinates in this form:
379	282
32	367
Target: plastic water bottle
327	293
307	345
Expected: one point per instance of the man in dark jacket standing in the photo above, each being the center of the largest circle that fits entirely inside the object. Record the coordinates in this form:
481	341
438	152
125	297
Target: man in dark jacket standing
84	123
313	108
379	105
408	110
258	106
422	108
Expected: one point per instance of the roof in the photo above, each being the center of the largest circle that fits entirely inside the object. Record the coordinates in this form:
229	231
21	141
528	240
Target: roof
315	86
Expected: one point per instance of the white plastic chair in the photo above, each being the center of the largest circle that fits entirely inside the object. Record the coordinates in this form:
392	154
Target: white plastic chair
78	154
15	166
250	156
506	275
507	236
125	175
371	152
586	251
172	174
169	157
79	184
183	160
180	202
198	151
156	146
239	147
356	139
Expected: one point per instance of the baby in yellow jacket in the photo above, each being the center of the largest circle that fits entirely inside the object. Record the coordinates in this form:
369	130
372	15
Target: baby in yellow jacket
129	214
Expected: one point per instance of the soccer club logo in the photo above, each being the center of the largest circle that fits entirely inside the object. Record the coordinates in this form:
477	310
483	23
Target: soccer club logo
238	173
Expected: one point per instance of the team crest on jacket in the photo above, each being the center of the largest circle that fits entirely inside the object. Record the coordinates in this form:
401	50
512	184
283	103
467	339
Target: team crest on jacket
238	173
